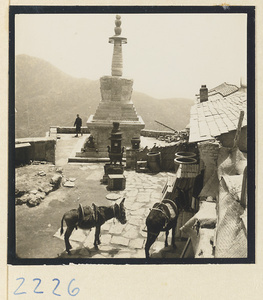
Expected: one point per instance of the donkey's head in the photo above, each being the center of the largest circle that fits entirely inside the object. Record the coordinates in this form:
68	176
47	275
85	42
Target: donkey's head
120	213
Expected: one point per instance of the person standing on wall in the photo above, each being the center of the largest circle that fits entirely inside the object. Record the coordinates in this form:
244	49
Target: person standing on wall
78	124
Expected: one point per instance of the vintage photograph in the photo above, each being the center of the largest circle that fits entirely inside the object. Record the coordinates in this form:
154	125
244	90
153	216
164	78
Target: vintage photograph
133	135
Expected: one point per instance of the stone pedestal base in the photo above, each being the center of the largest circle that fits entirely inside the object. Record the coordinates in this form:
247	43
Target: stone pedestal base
116	182
101	131
110	169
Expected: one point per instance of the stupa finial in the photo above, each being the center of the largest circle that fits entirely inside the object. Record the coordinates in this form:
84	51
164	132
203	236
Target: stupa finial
117	29
117	40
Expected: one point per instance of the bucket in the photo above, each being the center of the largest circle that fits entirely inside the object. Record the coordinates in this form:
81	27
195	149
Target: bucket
185	160
154	161
185	154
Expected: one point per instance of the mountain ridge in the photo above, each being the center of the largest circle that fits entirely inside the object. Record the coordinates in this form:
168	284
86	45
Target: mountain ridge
46	96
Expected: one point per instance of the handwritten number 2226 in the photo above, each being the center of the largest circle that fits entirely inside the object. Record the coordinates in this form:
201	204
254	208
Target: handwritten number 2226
73	292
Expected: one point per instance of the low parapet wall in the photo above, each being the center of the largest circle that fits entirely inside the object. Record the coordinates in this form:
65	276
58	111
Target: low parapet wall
41	149
65	130
72	130
155	133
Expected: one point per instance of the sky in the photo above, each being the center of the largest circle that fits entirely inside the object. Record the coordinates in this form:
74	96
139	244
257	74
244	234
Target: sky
167	55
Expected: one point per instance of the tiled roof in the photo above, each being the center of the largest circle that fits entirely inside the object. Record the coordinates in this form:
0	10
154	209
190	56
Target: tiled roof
225	89
218	115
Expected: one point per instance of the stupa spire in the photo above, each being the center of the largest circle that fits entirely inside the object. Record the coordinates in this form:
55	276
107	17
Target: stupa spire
117	40
116	105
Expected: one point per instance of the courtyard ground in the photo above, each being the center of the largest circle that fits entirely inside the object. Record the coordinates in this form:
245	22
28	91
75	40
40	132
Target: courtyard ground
37	228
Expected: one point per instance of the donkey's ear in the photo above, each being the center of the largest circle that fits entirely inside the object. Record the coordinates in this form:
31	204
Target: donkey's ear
122	202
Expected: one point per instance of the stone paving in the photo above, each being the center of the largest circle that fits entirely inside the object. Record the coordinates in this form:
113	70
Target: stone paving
127	241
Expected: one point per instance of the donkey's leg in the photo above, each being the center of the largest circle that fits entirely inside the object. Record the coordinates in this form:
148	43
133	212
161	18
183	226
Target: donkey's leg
166	238
66	237
173	236
98	240
150	240
97	237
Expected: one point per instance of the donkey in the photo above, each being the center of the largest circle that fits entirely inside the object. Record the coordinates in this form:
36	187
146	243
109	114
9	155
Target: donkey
163	217
88	217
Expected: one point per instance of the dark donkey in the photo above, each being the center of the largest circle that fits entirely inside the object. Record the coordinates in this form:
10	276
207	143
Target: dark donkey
163	217
88	217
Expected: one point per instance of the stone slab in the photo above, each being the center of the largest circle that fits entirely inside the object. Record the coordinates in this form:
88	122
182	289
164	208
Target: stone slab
143	233
143	198
84	252
140	253
105	248
137	243
132	193
125	254
132	233
157	246
116	228
136	206
134	220
119	240
106	226
105	239
69	184
139	212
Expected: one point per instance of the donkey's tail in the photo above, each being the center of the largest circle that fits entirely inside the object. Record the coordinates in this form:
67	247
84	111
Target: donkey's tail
61	229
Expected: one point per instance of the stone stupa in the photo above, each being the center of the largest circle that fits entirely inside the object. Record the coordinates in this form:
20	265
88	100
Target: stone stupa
115	104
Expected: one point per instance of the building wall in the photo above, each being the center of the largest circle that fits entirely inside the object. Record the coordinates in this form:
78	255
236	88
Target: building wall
227	139
42	149
209	154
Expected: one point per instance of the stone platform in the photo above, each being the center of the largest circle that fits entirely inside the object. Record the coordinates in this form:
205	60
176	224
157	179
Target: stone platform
101	131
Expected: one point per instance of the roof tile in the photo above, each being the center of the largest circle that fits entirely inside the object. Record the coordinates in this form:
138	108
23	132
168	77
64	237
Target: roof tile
218	115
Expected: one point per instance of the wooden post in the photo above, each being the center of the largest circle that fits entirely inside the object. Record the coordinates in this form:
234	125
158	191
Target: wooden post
185	248
243	198
236	139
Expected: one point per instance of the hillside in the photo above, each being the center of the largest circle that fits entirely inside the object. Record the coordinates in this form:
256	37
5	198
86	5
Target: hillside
46	96
174	112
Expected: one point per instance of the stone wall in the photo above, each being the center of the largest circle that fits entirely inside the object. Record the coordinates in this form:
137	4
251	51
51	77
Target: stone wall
64	130
168	154
41	149
155	133
72	130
